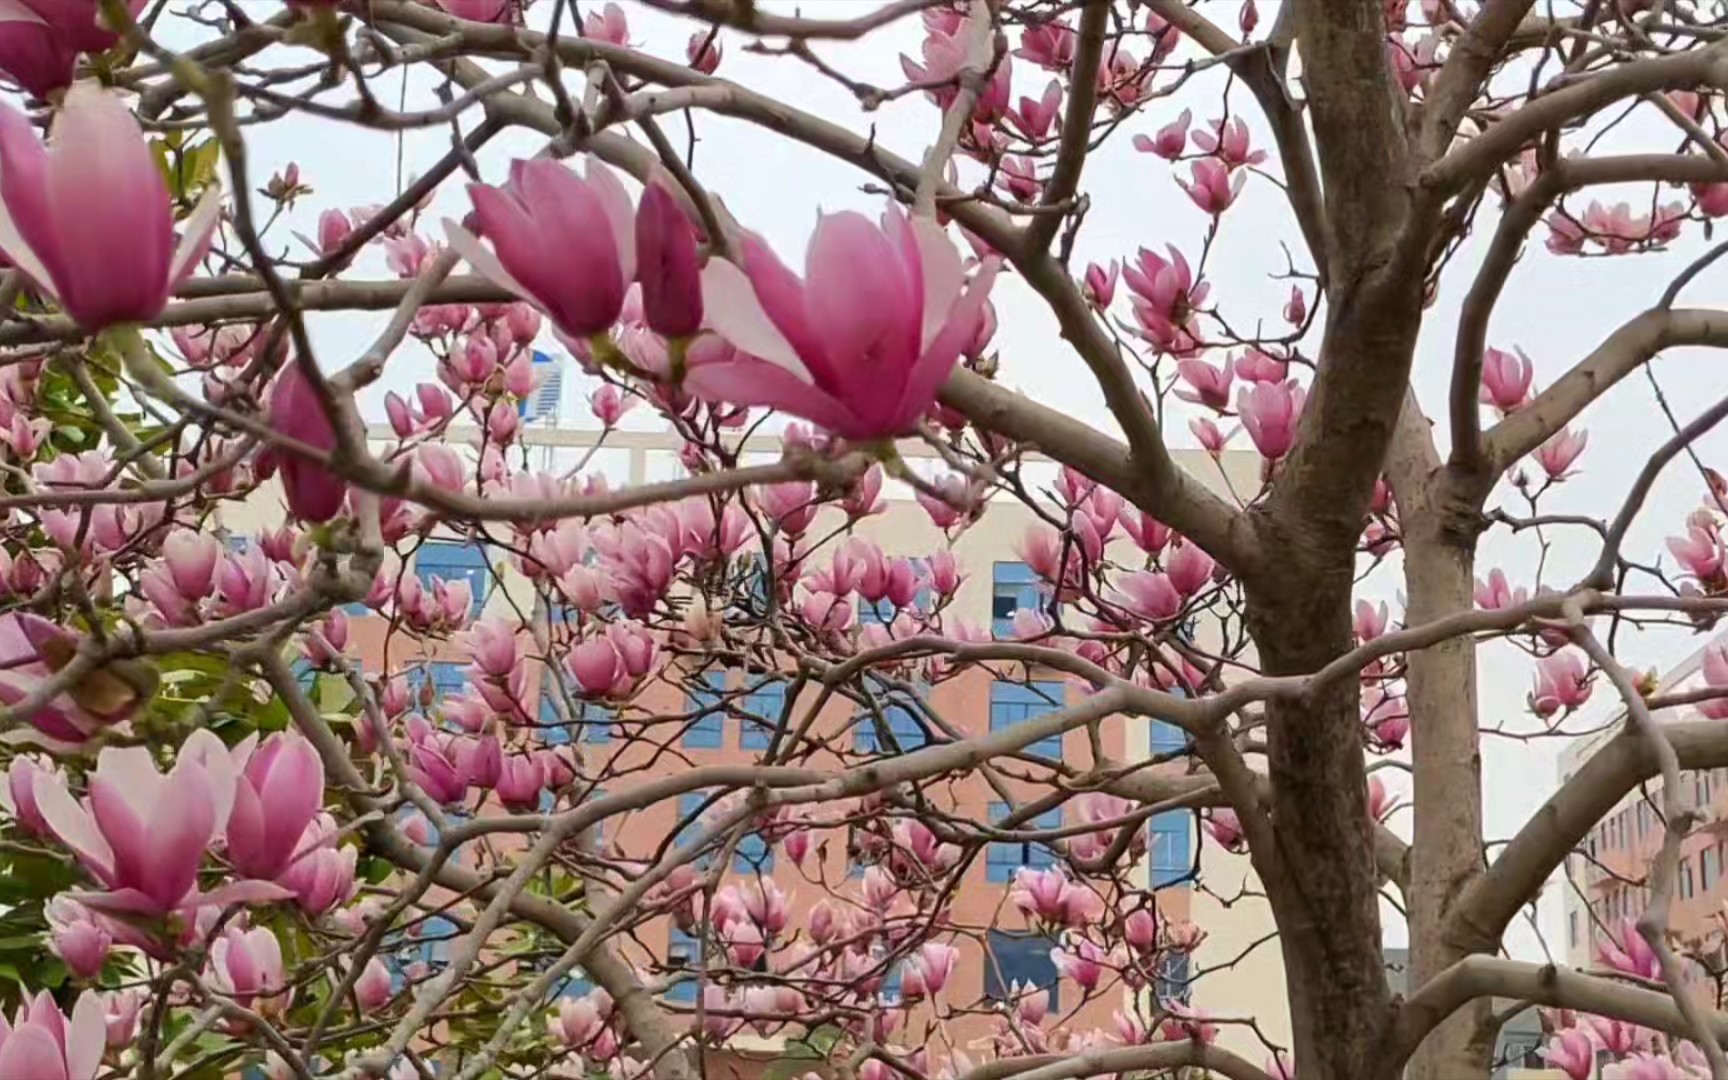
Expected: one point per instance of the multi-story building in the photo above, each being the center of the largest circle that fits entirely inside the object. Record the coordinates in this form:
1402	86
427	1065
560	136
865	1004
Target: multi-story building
1237	972
1607	879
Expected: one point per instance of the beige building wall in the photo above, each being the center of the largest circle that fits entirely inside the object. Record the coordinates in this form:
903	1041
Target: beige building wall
1234	985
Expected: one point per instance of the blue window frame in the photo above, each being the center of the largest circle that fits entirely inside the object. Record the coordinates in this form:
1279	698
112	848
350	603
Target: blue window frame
753	855
1167	738
890	992
763	707
592	719
1173	978
1172	859
689	806
903	725
683	951
1001	859
449	559
707	731
1015	703
1014	586
1019	958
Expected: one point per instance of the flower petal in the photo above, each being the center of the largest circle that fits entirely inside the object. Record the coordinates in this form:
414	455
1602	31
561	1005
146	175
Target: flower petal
756	382
196	232
480	257
73	824
87	1037
736	314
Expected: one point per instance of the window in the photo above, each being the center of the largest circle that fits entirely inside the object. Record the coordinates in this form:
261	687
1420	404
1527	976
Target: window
683	951
451	560
592	720
753	855
707	731
1708	869
447	677
763	708
1015	586
427	943
690	805
1172	859
1701	789
1022	959
1173	978
1685	879
1014	703
1167	737
1003	858
902	718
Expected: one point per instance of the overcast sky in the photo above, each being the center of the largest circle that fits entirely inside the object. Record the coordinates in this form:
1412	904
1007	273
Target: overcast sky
1555	309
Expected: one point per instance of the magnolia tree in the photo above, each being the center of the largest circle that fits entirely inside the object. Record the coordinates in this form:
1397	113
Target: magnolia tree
223	826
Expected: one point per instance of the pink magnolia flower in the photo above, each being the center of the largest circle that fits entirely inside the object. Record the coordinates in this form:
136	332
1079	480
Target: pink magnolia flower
41	1042
1270	412
1642	1066
486	11
666	264
1191	1024
1211	187
63	206
1207	385
1296	308
1168	286
1170	140
1140	929
1228	141
1506	379
34	55
564	243
1050	45
1572	1052
1018	176
862	344
1563	681
608	25
334	228
1370	621
1702	554
77	937
372	989
1084	963
1495	593
1190	568
1049	896
1149	595
703	51
1625	950
246	965
321	876
277	794
1035	116
1260	367
1714	673
579	1021
1208	436
143	835
313	491
931	966
1565	235
1387	715
1100	284
18	796
1223	826
32	649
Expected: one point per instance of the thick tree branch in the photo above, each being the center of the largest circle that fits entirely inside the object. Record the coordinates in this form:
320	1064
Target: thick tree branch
1634	343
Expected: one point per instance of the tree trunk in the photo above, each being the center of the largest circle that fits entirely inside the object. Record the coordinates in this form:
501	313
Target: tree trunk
1447	760
1325	903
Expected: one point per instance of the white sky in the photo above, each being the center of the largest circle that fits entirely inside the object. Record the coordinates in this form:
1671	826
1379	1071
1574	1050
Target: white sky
1556	309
